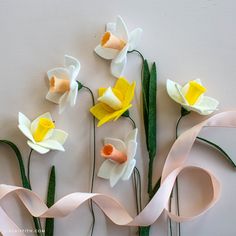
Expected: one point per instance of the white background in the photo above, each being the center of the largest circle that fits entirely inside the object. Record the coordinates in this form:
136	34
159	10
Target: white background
188	39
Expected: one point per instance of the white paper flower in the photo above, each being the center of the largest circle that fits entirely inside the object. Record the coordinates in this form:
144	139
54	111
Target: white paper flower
115	44
63	86
113	170
41	133
191	96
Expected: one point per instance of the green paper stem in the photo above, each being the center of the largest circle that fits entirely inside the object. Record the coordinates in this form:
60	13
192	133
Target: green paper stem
24	180
49	226
80	86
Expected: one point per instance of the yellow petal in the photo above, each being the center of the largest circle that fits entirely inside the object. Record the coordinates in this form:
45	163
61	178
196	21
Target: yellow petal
129	94
99	111
107	118
120	112
122	85
101	91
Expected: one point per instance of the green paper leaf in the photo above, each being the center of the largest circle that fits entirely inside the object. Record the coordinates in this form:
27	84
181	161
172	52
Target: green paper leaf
49	227
144	230
152	113
145	96
24	180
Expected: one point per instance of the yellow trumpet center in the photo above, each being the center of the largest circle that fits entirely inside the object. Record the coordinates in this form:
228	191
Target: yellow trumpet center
194	91
44	126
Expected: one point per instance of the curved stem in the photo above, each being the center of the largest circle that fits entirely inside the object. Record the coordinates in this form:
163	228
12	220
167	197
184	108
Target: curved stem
28	166
133	122
94	157
138	53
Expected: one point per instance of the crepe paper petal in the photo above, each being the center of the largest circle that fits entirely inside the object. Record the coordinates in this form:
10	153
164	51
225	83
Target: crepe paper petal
132	135
73	95
121	112
117	69
38	148
121	29
63	101
53	97
107	118
52	145
59	135
134	38
98	111
121	55
111	27
129	170
26	131
105	169
106	53
131	149
72	61
122	85
59	72
204	105
119	144
116	173
35	122
129	94
23	120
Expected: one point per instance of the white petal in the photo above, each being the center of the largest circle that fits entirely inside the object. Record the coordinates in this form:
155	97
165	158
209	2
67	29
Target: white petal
206	106
35	122
132	135
73	94
105	169
122	54
23	120
134	38
106	53
111	27
121	29
59	135
53	97
38	148
131	150
116	173
117	69
72	61
173	92
60	73
26	131
129	170
51	144
63	102
117	143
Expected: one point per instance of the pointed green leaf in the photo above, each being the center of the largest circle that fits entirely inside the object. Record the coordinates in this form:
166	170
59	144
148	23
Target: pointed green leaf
152	112
24	180
145	96
49	227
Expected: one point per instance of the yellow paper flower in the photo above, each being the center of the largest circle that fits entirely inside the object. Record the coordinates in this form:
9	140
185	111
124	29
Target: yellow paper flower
113	102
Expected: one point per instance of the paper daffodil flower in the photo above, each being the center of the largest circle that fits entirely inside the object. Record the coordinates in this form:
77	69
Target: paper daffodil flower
115	44
113	102
62	81
41	133
119	155
191	96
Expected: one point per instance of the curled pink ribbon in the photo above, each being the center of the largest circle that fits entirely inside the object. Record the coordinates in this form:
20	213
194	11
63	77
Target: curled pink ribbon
174	165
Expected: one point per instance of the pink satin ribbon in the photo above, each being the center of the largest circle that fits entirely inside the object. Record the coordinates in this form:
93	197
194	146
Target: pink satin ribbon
175	163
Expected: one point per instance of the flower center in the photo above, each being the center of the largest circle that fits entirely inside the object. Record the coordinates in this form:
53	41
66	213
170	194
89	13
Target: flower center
59	85
44	126
111	41
110	99
194	91
110	152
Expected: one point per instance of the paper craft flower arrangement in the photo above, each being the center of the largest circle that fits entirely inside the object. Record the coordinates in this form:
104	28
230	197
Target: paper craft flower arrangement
112	103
